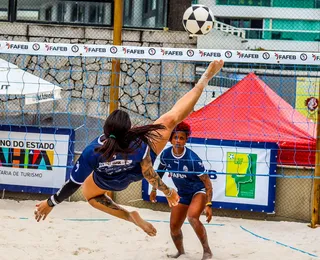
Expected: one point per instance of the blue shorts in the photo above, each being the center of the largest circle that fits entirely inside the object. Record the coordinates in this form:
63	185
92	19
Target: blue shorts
186	200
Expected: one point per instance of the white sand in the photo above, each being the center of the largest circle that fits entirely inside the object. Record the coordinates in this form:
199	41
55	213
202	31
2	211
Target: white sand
60	239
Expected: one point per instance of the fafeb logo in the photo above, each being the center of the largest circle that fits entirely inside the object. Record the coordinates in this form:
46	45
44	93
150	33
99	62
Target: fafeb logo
315	57
132	51
16	46
285	57
209	54
95	50
247	55
171	53
55	48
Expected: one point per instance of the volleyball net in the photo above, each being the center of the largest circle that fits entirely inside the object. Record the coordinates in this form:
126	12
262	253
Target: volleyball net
256	119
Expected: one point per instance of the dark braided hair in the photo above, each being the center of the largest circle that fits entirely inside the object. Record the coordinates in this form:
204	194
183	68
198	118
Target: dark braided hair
121	138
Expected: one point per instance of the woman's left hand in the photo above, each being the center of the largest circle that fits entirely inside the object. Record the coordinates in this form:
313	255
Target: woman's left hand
208	211
42	210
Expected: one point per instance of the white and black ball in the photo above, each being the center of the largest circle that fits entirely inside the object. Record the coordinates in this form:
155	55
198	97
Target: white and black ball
198	20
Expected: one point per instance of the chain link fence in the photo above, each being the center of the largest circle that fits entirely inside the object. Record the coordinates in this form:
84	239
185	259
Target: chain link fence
279	25
148	88
293	199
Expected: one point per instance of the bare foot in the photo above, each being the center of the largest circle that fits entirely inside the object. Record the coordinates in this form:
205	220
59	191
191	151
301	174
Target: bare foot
207	255
176	255
144	225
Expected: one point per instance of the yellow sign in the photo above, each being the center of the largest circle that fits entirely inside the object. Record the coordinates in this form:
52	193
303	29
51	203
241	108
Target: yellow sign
307	97
241	179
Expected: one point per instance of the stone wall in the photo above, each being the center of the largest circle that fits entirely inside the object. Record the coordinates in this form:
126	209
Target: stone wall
147	88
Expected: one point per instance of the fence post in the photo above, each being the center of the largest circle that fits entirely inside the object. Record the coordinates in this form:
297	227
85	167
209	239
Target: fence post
316	180
115	72
117	40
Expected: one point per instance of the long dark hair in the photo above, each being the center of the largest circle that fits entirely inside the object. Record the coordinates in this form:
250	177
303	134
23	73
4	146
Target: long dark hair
121	138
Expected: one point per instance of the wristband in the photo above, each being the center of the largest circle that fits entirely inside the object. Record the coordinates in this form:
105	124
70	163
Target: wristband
51	201
209	204
154	189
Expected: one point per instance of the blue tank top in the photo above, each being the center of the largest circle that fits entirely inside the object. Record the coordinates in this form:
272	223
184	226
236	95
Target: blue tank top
114	175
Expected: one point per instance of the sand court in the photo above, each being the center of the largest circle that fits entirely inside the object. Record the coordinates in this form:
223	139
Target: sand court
74	230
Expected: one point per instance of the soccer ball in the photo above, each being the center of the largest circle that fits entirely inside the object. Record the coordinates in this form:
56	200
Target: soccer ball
198	20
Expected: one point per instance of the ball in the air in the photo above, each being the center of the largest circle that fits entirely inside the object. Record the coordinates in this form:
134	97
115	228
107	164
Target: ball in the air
198	20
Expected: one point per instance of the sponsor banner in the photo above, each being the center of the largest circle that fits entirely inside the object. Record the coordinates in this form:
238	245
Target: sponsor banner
133	52
42	97
307	101
242	173
35	159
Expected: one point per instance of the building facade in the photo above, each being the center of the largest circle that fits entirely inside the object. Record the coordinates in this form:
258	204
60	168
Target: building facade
288	25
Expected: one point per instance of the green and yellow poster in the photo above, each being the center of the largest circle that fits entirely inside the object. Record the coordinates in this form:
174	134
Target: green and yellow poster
307	91
240	177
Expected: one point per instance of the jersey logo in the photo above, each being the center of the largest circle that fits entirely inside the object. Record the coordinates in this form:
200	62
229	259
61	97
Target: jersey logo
185	168
179	175
115	163
77	166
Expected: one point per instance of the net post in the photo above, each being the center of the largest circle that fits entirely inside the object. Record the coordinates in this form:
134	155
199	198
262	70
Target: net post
115	71
316	180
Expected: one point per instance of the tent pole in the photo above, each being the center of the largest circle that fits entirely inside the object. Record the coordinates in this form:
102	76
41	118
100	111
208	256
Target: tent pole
316	180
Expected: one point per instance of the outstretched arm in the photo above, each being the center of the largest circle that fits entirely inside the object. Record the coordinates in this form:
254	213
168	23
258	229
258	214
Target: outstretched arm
80	171
154	179
45	206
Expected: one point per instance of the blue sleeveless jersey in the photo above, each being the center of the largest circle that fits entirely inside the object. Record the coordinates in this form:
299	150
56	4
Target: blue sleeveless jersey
181	168
115	175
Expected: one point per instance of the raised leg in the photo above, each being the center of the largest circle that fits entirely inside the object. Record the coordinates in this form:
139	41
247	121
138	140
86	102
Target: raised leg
184	105
101	201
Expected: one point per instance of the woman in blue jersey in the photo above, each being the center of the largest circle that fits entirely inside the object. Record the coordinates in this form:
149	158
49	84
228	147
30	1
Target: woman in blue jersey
194	188
125	154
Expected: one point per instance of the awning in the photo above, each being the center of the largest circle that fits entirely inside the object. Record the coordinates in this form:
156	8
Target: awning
15	81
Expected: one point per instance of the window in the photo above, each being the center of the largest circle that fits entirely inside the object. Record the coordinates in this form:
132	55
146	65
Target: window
97	12
145	13
127	11
149	8
137	13
245	2
273	3
246	23
48	13
4	12
77	12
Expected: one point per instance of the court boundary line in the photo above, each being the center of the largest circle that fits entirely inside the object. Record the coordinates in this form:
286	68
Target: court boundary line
277	242
108	219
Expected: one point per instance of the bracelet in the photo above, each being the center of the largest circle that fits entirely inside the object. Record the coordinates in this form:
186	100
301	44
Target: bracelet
209	204
153	189
170	193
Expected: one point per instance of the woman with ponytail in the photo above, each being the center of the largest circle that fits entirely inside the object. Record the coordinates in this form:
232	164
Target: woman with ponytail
125	154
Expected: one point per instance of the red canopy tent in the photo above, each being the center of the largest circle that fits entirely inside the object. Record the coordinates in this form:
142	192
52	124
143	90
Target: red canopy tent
252	111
